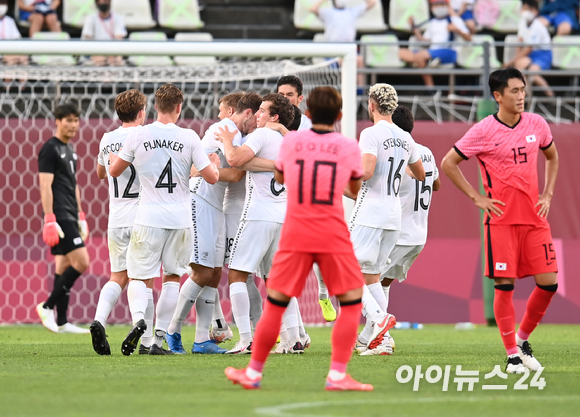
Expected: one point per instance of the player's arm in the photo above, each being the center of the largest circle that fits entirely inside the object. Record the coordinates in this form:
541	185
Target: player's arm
101	171
278	176
418	169
231	174
45	179
117	165
369	162
552	163
258	165
278	127
236	156
450	166
354	187
211	172
436	184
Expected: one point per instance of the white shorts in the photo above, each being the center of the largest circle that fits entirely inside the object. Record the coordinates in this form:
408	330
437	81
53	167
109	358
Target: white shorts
119	238
372	247
402	257
254	247
232	225
209	234
150	247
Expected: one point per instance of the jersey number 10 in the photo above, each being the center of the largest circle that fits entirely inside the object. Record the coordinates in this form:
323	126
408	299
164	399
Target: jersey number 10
331	179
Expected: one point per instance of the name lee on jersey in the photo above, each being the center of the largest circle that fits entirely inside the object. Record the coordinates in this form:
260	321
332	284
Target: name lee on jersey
396	142
319	147
163	143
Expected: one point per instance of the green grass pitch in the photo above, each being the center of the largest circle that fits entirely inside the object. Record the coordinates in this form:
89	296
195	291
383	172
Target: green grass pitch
44	374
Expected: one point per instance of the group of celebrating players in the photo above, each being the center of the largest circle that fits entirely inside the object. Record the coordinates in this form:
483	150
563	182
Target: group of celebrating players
262	193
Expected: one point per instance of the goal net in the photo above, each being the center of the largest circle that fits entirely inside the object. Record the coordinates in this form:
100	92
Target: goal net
28	97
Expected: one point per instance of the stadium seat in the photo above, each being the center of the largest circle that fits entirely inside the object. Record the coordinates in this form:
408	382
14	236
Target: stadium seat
470	54
509	49
509	15
381	51
23	23
75	12
566	52
194	60
401	10
52	59
149	61
179	14
135	13
371	21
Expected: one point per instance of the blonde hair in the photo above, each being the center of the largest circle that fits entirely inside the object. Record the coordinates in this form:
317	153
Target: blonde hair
385	96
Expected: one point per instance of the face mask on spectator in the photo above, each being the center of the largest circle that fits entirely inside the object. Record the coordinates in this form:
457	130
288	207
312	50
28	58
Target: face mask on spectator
440	11
528	16
3	10
104	7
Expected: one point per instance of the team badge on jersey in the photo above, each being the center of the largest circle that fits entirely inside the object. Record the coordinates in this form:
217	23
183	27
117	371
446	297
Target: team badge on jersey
530	138
500	266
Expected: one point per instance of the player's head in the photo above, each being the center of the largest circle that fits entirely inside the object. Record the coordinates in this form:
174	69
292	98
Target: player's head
67	121
168	100
228	104
439	8
339	4
297	119
383	100
508	87
103	5
275	108
246	111
324	106
130	106
403	118
290	87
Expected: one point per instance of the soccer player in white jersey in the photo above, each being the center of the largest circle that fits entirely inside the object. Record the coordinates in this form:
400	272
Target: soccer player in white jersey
375	223
123	200
210	234
264	209
163	155
291	87
415	202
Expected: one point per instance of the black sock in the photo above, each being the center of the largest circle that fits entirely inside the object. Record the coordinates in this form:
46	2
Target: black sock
67	280
62	304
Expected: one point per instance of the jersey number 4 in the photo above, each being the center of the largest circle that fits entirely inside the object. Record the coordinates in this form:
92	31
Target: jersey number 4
166	178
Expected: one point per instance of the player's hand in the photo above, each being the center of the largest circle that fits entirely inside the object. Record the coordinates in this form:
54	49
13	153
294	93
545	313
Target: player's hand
51	233
275	126
83	226
113	157
214	159
224	135
193	173
544	202
488	205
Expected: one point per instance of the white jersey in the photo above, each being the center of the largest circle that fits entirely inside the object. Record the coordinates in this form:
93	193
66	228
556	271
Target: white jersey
265	198
163	155
235	191
536	34
99	29
214	194
416	200
123	190
305	123
378	204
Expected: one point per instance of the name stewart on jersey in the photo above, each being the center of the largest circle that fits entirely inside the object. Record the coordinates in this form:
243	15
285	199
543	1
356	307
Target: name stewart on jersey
163	143
396	143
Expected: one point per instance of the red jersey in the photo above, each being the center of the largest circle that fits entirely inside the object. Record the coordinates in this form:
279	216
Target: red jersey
508	159
317	167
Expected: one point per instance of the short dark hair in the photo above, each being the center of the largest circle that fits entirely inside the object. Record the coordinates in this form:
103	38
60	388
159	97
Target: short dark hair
498	80
324	105
403	118
167	98
281	106
249	101
128	104
292	80
531	3
297	119
65	110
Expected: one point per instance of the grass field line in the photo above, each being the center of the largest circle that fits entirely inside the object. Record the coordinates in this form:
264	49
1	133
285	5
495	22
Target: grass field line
286	410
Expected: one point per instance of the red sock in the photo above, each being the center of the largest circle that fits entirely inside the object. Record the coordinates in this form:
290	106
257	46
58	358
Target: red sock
505	316
266	334
535	309
344	335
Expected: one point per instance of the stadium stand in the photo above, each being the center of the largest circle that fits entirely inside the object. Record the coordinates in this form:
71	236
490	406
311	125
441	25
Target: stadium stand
194	60
135	13
53	59
510	48
509	15
566	52
74	12
381	51
149	61
371	21
401	10
179	14
23	23
470	54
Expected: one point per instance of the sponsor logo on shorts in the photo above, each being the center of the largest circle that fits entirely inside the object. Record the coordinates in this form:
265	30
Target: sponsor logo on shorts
204	255
500	266
530	138
77	241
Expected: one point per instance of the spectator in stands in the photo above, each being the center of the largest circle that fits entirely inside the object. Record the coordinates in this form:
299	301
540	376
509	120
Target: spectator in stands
39	13
441	31
104	26
561	14
464	9
538	55
340	24
9	31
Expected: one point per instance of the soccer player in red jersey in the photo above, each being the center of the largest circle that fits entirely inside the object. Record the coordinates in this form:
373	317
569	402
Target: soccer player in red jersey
518	241
315	166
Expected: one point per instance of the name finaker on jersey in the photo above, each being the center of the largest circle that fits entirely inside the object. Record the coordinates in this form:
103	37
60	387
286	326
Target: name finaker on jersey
163	143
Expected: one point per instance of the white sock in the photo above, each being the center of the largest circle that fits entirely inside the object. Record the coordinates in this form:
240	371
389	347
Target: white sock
218	320
187	296
301	328
386	291
378	294
366	333
371	309
256	301
241	310
335	375
107	300
137	295
284	334
204	308
166	306
290	319
252	373
519	340
322	290
149	314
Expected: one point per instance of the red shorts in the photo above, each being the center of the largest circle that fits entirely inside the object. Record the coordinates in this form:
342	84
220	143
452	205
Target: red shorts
518	251
341	272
